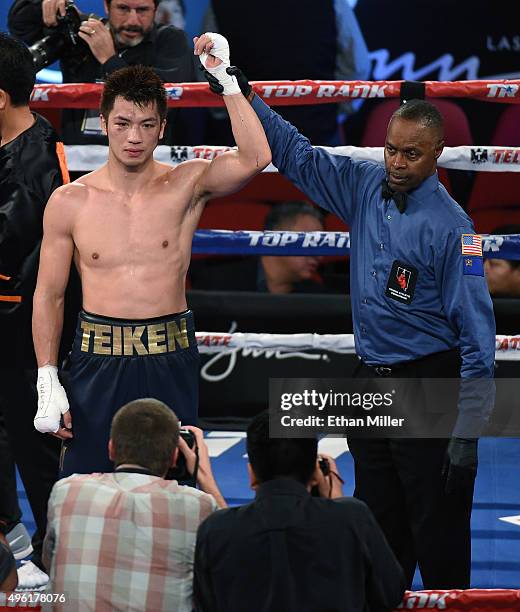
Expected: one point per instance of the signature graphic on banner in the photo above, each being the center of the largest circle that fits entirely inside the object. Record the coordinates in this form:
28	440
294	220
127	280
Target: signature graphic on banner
228	359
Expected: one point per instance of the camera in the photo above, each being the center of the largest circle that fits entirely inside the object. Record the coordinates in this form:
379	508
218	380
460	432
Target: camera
324	466
179	471
64	38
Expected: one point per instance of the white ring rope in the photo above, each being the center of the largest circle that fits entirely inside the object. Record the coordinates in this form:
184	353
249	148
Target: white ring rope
507	348
84	158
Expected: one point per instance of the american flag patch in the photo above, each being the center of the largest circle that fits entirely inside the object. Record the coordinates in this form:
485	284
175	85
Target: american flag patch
471	244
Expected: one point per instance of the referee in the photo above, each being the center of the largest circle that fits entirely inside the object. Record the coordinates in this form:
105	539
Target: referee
420	308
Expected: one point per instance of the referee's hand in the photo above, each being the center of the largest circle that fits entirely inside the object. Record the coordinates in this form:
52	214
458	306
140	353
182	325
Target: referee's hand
460	464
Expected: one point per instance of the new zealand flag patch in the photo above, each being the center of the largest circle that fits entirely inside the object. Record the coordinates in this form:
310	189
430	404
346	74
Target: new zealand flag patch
473	266
401	282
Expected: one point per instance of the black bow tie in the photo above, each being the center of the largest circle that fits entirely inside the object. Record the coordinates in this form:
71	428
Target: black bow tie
398	197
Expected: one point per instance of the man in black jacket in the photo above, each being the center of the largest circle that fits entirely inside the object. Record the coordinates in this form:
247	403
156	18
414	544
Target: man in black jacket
288	550
127	38
31	167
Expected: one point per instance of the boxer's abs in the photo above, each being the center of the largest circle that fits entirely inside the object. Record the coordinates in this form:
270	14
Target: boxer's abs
151	289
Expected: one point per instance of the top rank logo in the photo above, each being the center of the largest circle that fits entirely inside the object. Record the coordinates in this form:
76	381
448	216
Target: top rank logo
174	93
371	90
39	94
502	90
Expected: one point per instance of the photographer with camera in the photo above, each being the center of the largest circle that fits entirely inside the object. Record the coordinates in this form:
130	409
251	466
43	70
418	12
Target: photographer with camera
288	550
90	48
131	533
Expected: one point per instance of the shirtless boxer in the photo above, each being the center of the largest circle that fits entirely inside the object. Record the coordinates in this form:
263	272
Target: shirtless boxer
129	227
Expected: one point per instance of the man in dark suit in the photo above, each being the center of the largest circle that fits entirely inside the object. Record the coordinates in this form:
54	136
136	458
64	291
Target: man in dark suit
288	550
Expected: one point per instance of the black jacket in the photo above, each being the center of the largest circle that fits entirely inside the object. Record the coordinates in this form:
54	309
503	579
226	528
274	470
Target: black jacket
29	172
289	551
165	48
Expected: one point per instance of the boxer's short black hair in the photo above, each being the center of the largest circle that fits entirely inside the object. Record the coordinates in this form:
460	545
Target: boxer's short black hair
137	84
17	73
279	457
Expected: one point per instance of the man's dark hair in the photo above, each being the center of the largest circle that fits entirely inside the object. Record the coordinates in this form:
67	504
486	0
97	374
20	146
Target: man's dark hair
277	457
156	2
504	230
145	432
17	74
282	215
137	84
422	112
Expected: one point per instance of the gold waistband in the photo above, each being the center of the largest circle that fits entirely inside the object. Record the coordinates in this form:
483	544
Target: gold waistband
128	340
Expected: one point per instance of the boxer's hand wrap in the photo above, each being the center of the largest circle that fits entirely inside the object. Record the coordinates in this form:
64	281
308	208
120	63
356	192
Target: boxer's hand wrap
220	50
52	400
242	80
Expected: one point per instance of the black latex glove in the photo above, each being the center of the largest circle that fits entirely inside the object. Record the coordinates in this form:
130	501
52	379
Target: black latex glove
217	88
460	465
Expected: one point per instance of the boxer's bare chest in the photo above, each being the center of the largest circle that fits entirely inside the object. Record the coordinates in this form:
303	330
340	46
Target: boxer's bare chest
114	229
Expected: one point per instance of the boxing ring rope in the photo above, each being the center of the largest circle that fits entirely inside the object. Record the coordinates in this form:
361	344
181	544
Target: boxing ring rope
484	158
507	348
470	600
284	93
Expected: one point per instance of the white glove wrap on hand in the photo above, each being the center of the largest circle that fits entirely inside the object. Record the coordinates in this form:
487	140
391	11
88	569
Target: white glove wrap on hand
221	51
52	400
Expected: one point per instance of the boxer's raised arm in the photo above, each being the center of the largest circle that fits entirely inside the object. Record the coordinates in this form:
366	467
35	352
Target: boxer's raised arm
53	273
230	171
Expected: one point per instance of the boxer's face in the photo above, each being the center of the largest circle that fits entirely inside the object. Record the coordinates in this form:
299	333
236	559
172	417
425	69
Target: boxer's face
133	131
411	153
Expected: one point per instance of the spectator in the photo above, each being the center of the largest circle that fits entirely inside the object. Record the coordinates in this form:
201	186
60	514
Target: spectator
128	37
8	578
269	274
503	275
171	12
31	168
125	540
290	551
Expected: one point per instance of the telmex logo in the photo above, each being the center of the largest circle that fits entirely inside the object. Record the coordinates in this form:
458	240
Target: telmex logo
324	91
174	93
506	156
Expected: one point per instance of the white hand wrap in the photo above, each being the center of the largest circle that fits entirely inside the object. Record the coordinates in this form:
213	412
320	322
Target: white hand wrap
52	400
221	51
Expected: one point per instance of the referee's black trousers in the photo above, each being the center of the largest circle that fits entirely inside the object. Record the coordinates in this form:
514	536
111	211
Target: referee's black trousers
401	481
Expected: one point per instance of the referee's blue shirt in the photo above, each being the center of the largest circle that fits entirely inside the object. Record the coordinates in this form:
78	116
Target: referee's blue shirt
450	306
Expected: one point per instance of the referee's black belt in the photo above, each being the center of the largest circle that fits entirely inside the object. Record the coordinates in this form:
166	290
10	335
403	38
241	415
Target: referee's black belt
391	369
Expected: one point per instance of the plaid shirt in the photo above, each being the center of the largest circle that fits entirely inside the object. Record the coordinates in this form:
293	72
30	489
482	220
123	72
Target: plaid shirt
123	541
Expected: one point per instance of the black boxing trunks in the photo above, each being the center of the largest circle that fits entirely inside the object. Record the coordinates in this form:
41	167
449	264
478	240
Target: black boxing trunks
115	361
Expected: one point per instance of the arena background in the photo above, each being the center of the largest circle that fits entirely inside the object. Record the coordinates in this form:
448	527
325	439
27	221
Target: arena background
442	40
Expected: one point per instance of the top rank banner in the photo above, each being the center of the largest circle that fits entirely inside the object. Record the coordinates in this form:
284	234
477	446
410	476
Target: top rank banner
225	242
